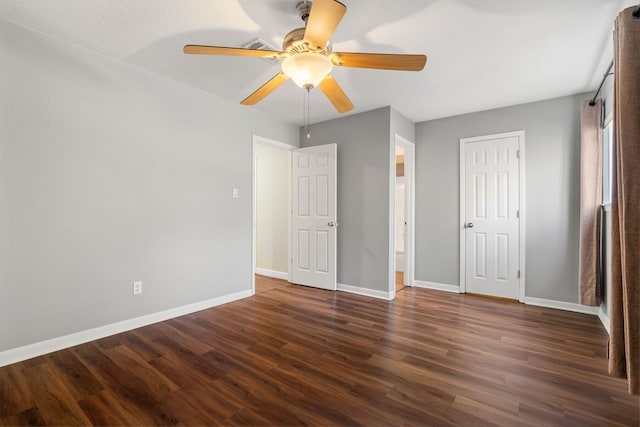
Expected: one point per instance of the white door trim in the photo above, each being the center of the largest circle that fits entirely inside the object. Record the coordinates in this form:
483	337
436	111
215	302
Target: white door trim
276	144
409	182
522	224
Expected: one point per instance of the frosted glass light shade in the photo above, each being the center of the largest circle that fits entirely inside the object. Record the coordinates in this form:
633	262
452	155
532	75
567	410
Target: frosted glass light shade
307	69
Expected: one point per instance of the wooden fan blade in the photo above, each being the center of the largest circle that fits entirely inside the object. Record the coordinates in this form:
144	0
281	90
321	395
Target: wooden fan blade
380	61
265	89
322	22
231	51
336	95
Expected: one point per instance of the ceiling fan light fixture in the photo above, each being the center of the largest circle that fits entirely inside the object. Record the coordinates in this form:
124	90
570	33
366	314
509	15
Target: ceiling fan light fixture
308	57
307	69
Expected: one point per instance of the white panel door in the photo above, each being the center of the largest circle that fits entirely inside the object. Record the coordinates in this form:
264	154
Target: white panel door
491	217
314	211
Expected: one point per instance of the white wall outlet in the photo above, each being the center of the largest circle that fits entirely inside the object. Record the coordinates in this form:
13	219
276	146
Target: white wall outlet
235	193
137	288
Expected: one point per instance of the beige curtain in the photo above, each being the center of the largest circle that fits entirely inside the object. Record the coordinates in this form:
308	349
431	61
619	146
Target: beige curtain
590	200
624	344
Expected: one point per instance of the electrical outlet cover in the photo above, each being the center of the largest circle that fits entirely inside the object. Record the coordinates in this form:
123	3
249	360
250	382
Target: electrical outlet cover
137	288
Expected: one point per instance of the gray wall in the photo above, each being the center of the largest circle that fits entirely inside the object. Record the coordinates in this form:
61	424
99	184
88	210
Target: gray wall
109	175
552	141
363	194
400	125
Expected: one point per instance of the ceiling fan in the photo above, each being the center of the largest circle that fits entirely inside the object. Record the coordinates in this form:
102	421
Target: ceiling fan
307	58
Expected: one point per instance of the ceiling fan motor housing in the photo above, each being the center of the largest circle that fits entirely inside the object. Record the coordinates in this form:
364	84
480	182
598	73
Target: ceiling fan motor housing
294	42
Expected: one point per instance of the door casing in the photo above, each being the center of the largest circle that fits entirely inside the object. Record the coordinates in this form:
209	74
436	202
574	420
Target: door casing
409	180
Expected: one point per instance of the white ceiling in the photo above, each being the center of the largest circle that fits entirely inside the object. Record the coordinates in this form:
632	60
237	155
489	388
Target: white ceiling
481	53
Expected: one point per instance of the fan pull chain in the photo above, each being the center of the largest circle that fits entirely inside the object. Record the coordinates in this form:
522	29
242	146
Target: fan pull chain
304	109
308	130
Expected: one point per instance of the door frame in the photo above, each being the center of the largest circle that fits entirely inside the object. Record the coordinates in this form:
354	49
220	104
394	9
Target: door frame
522	204
409	203
281	146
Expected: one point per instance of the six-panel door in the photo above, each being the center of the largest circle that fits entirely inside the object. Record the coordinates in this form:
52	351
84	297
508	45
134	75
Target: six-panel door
314	222
491	212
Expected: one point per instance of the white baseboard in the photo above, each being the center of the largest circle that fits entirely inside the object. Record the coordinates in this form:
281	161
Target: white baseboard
561	305
374	293
606	322
19	354
436	286
272	273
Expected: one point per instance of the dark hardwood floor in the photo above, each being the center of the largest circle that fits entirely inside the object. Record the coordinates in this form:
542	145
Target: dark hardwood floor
266	283
399	280
295	355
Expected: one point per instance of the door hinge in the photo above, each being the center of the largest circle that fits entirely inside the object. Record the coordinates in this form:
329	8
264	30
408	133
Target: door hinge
518	213
518	274
518	153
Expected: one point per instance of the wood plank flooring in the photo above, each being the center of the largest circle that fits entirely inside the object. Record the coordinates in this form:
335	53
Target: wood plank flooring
297	356
399	280
266	283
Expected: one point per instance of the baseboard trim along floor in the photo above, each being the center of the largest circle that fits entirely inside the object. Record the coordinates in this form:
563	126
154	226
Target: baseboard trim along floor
44	347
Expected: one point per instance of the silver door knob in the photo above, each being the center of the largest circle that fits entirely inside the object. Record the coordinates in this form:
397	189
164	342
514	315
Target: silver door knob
469	225
333	224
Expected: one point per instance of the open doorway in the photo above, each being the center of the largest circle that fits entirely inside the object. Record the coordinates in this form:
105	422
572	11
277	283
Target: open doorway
401	222
271	213
403	240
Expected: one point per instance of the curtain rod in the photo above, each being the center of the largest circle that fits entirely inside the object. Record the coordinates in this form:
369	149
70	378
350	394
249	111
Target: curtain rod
636	14
604	77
